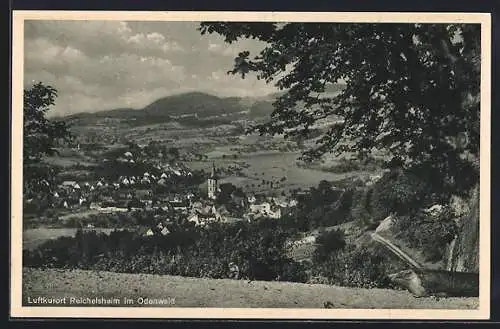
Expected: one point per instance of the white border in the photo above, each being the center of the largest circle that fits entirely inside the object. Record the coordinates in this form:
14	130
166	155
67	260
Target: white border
17	310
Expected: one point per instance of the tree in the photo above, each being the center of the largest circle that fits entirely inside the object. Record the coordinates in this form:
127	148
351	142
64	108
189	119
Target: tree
41	134
174	152
411	90
40	138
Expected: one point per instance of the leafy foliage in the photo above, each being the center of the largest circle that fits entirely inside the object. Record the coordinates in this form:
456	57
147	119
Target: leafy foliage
40	133
258	251
40	137
410	89
398	192
354	267
329	242
427	233
324	205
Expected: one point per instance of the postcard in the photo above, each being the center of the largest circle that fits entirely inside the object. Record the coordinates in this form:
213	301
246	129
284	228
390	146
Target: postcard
250	165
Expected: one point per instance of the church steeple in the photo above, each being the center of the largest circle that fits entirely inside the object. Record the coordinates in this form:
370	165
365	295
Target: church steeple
213	174
212	183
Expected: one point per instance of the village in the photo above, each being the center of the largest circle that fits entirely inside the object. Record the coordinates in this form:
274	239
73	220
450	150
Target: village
168	192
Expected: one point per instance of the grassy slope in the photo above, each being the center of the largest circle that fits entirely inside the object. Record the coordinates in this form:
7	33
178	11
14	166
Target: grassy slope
194	292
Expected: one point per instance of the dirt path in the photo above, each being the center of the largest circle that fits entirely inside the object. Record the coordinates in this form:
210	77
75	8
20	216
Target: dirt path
195	292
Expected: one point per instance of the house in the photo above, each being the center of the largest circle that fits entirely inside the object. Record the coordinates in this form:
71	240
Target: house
201	219
99	184
194	218
220	213
197	205
372	179
202	208
163	175
81	201
265	209
179	205
162	181
128	154
260	208
149	232
94	206
251	199
275	212
69	184
125	181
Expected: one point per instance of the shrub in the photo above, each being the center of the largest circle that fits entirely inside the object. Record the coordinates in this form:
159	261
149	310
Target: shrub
427	233
399	192
360	211
353	267
257	249
328	243
396	192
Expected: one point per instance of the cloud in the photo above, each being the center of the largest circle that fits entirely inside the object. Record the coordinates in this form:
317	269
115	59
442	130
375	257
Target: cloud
98	65
97	38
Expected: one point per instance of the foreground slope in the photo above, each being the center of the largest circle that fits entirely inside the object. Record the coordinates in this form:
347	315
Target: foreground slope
195	292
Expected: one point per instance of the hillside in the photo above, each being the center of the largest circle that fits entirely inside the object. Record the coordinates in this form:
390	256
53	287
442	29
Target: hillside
195	104
194	108
194	292
191	108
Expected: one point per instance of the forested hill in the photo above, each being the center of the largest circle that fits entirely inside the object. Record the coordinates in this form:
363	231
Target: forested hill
191	105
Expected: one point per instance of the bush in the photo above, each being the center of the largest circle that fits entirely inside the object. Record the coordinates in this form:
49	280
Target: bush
429	234
360	210
361	268
257	249
398	192
328	243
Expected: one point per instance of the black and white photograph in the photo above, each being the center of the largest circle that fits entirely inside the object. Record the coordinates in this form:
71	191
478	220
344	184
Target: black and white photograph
193	165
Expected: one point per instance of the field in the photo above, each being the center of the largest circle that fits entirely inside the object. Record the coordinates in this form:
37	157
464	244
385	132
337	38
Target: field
270	166
194	292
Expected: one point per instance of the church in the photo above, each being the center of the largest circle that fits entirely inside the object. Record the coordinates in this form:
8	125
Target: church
213	186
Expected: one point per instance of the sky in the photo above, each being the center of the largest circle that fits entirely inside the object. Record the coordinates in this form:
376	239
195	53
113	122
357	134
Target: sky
101	65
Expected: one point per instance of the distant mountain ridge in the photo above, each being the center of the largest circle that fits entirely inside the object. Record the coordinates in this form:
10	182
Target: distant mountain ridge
197	104
190	105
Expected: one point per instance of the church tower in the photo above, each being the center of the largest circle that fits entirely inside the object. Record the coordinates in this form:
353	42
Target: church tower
212	184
